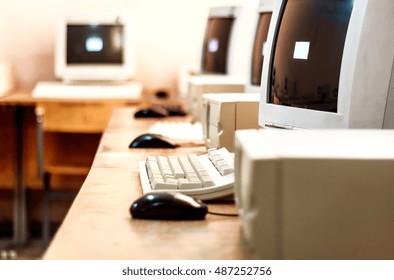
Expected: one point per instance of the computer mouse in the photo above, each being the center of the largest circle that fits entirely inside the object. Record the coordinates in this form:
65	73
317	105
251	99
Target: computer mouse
151	112
162	94
176	110
168	206
151	140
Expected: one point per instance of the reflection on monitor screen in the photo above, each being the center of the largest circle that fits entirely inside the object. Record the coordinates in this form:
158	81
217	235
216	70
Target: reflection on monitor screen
213	45
329	65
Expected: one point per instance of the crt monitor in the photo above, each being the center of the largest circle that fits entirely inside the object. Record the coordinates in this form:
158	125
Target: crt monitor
217	39
262	24
237	59
94	49
225	55
330	65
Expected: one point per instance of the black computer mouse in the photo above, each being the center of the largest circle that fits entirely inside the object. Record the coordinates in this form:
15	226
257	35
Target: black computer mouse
151	112
150	140
168	206
162	94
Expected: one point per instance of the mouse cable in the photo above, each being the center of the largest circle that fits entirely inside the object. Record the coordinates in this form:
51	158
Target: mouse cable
223	214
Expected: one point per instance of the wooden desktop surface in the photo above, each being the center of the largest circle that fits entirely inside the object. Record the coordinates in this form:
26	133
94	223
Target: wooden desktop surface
18	160
99	224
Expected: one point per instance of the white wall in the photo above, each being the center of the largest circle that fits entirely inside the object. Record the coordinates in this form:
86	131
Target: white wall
169	35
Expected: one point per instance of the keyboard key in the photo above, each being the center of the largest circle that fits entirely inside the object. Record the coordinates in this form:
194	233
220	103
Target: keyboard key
161	185
186	184
201	171
152	167
186	166
225	169
164	166
206	180
176	167
195	162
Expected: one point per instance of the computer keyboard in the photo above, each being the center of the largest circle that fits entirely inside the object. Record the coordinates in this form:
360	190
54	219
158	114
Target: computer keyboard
179	130
207	177
62	90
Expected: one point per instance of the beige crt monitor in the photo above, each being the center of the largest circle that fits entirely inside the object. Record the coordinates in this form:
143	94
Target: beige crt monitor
244	61
223	114
334	72
94	47
231	77
316	194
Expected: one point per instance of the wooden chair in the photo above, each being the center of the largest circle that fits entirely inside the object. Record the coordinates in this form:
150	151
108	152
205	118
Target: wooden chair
68	135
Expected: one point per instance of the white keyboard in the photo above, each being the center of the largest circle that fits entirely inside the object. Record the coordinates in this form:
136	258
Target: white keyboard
209	176
62	90
178	130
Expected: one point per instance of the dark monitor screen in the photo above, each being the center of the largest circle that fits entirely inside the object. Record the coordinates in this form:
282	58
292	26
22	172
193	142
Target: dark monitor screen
259	40
307	54
94	44
216	44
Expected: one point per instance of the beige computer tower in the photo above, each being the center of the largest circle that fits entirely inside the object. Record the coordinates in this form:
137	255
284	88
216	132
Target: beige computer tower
316	194
200	85
223	114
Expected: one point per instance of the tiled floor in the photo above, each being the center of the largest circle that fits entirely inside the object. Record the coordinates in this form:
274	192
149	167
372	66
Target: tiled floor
30	251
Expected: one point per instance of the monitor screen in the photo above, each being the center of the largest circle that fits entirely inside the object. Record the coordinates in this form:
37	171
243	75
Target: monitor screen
216	45
97	44
308	52
257	52
329	64
218	39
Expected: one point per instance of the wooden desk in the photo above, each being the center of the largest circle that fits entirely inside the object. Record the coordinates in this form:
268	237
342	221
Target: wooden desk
19	101
99	225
